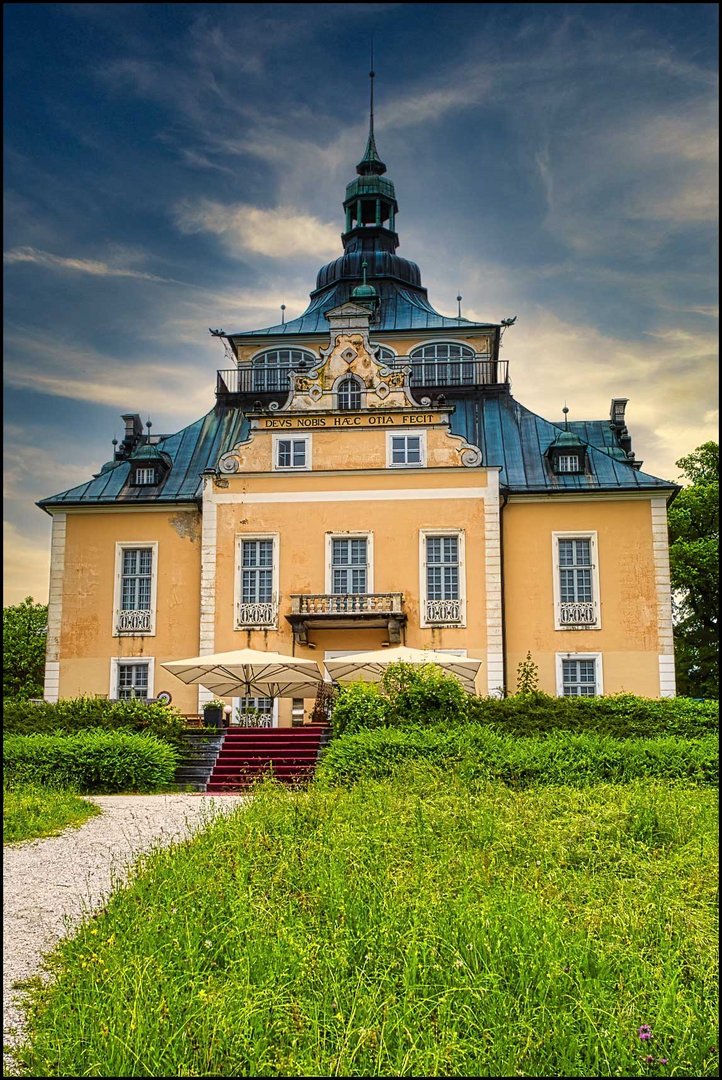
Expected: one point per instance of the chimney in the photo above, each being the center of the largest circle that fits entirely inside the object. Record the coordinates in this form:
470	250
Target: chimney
616	412
133	434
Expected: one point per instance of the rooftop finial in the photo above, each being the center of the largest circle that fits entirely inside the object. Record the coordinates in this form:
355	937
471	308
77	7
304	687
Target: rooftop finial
283	314
458	300
565	410
371	164
364	265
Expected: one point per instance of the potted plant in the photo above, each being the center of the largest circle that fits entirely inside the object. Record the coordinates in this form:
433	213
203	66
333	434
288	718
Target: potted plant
213	713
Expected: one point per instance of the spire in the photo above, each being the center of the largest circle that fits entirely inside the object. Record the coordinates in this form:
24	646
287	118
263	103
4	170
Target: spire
371	164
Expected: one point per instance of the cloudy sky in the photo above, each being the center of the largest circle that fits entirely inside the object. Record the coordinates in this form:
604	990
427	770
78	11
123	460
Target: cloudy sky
174	167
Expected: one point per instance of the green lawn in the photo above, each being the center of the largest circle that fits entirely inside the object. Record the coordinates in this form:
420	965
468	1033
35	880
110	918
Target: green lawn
425	926
30	811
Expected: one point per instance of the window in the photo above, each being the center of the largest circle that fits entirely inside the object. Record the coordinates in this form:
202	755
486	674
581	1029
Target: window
405	450
135	588
442	363
292	453
349	565
348	394
579	674
442	578
576	581
271	368
257	570
384	355
568	463
131	678
144	476
253	711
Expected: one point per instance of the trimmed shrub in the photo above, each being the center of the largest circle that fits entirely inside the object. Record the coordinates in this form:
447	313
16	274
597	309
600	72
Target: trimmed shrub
620	715
478	753
102	761
79	714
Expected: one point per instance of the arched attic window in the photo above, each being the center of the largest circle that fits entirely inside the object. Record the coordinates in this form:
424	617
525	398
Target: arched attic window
349	394
271	368
443	363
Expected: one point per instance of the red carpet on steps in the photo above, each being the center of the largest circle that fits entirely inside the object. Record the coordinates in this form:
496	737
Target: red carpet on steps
247	754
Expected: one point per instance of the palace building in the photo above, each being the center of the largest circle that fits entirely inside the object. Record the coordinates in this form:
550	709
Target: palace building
365	477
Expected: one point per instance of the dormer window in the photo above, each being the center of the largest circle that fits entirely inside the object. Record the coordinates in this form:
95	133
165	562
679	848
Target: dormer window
568	463
145	476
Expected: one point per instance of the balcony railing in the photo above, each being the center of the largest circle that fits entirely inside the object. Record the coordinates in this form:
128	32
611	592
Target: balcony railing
347	603
263	384
578	613
256	614
443	611
134	622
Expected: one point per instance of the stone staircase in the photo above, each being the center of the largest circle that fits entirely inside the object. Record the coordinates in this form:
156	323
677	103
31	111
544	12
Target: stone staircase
198	755
248	754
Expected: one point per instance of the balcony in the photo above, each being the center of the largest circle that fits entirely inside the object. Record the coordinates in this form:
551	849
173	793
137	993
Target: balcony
251	387
577	614
134	622
346	611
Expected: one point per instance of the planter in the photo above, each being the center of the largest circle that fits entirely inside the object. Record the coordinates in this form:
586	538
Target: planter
213	717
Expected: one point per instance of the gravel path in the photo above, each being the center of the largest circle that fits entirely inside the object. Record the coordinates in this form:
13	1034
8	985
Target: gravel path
50	884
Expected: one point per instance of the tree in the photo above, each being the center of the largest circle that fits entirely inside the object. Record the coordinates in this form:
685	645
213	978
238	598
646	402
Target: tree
694	566
25	629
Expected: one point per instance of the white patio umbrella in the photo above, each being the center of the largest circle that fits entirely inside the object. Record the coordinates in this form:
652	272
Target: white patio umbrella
249	673
370	666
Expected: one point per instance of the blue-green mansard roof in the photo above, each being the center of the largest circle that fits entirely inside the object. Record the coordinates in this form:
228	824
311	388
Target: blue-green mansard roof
509	436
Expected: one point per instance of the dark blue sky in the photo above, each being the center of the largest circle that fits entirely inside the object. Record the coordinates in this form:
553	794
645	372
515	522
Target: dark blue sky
171	167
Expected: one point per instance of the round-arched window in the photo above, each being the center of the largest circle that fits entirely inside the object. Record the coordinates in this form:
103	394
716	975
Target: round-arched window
348	394
271	368
385	355
442	363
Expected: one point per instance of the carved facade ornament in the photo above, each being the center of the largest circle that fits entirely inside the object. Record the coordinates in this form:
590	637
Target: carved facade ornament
350	352
469	454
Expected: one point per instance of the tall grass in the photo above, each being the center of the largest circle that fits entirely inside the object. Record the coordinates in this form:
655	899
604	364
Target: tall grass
31	811
430	926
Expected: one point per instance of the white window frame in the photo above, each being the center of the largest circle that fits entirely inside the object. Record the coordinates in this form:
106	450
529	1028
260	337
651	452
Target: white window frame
598	669
577	534
238	579
369	538
563	463
145	476
391	435
120	547
360	384
424	534
292	437
116	662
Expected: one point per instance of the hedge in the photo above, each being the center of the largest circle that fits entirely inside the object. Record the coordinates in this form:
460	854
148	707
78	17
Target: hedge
479	753
79	714
426	696
90	761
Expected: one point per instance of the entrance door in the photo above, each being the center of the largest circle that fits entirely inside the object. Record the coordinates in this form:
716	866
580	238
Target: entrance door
254	712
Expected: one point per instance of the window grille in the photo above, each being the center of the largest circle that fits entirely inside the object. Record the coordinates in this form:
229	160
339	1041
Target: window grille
349	565
145	476
137	575
132	681
271	368
291	453
579	678
348	395
443	363
257	572
568	463
575	571
406	450
442	567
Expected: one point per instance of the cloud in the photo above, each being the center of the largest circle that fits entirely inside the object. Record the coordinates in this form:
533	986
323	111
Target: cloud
83	266
276	233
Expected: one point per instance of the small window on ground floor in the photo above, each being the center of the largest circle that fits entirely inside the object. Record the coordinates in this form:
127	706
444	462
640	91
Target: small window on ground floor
579	676
133	680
